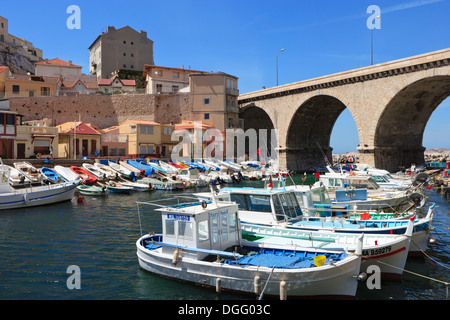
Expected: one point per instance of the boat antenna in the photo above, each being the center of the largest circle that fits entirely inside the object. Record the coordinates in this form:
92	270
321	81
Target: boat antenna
324	155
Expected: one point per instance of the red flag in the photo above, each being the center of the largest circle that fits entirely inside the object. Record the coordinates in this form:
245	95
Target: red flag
317	175
258	152
430	187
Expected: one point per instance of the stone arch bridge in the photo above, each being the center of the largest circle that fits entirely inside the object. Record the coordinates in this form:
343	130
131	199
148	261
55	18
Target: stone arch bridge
390	102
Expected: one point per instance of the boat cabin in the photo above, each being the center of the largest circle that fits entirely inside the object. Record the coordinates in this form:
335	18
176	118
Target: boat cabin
199	227
338	181
264	206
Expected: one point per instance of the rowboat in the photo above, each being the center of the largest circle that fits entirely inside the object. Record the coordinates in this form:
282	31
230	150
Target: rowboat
137	186
91	190
67	174
29	171
141	165
88	178
51	175
130	168
118	188
201	244
97	172
110	173
16	178
124	171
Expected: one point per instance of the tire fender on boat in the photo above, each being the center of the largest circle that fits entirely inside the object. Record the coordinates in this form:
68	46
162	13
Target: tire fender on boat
176	257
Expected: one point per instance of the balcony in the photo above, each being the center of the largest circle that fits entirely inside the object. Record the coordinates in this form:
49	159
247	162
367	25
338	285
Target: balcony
232	92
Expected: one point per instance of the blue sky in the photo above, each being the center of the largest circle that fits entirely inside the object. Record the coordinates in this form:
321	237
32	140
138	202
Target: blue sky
242	37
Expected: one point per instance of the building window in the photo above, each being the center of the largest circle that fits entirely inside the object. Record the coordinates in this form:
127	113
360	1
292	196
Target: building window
206	101
132	66
143	129
176	75
174	89
16	89
159	73
159	88
146	149
45	91
206	116
10	119
124	65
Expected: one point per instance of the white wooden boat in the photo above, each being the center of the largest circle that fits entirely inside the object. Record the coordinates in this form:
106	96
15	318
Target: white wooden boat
192	175
131	168
113	187
123	171
16	178
97	172
12	198
29	171
111	174
388	252
137	186
91	190
200	244
67	174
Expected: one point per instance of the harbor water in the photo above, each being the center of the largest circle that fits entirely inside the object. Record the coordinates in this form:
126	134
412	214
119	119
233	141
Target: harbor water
40	246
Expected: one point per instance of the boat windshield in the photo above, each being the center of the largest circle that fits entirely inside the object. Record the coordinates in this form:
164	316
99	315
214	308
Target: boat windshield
289	204
252	202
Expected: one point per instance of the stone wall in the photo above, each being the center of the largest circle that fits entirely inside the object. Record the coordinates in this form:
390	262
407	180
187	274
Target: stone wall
104	111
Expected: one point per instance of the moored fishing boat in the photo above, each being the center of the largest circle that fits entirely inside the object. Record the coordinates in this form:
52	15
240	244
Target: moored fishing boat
110	173
67	174
29	171
113	187
388	252
142	166
87	177
200	244
124	170
91	190
98	173
280	208
51	175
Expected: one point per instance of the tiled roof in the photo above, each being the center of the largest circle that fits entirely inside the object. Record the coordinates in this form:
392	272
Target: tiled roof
82	128
89	82
3	68
108	82
57	62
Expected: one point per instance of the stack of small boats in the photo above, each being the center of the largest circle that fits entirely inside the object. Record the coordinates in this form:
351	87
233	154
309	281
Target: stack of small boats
22	185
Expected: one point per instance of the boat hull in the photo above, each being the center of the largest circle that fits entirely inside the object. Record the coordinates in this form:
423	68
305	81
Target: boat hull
335	281
36	196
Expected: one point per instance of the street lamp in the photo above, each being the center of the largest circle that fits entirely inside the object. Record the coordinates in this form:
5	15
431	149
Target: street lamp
277	63
371	43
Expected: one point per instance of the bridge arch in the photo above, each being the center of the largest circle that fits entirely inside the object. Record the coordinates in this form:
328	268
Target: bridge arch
399	132
309	132
257	118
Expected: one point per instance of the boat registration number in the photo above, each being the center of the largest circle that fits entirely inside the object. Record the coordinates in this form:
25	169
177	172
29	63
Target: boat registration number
178	217
375	252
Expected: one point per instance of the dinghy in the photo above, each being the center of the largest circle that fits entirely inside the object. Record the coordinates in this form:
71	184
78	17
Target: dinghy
97	172
88	178
29	171
201	244
124	170
51	175
91	190
67	174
